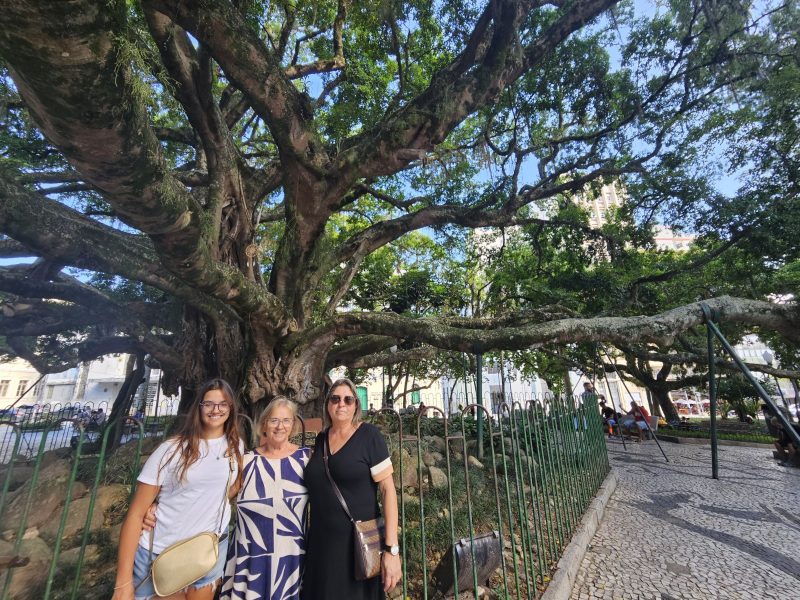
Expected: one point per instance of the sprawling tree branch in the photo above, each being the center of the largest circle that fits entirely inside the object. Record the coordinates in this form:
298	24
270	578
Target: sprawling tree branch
113	147
492	59
663	327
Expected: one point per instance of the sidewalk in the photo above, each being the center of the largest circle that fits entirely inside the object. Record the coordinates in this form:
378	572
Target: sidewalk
672	533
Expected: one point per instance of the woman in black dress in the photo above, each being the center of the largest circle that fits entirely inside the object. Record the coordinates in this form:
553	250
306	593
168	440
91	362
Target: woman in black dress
360	465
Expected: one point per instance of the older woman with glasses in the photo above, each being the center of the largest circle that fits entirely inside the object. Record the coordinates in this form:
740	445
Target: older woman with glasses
268	550
360	466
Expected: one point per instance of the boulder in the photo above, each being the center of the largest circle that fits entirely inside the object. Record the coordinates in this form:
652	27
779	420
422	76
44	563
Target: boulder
474	462
410	475
428	459
69	557
107	496
436	442
51	489
34	574
438	479
409	499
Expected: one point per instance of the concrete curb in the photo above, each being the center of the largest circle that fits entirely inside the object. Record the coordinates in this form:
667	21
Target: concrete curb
560	586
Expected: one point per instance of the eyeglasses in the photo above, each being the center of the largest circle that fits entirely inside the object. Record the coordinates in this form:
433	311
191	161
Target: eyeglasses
220	406
285	422
348	400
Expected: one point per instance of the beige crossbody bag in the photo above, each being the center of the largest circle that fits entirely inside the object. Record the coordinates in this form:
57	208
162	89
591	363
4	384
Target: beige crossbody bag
189	560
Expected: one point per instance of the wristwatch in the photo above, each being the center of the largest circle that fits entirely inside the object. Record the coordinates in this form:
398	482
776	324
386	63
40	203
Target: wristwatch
393	550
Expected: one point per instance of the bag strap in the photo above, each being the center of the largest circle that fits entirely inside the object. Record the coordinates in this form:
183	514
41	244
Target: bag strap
333	483
225	494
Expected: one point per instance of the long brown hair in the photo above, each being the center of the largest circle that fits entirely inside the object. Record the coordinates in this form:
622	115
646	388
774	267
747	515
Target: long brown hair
187	438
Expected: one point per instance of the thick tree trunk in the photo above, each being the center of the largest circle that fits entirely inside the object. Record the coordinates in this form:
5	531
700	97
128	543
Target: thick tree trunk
661	397
124	399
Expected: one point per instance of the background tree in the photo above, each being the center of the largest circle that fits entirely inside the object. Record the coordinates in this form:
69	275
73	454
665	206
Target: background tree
206	182
737	394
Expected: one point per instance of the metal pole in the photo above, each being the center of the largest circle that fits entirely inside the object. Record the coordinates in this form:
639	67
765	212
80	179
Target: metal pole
779	414
712	393
479	394
617	415
466	377
646	423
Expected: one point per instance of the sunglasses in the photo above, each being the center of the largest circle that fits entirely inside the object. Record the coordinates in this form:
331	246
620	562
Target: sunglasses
348	400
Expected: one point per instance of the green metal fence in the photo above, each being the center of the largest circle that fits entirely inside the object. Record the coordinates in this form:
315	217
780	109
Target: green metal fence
495	511
541	463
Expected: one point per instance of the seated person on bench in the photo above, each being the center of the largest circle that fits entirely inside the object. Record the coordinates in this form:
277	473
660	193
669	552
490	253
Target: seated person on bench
639	416
609	415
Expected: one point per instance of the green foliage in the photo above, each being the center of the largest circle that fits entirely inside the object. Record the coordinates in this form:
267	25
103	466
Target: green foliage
741	396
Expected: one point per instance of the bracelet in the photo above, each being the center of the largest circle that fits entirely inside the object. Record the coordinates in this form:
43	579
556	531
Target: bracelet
123	585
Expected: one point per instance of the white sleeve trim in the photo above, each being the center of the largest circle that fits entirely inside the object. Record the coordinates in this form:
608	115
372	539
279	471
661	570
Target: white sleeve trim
381	466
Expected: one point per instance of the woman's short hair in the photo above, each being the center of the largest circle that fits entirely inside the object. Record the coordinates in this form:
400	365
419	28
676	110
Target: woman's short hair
344	381
276	403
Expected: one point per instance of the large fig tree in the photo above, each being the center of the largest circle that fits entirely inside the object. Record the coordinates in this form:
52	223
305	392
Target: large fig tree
203	180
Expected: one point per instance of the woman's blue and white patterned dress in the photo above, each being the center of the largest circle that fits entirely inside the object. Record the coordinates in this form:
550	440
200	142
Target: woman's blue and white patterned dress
266	556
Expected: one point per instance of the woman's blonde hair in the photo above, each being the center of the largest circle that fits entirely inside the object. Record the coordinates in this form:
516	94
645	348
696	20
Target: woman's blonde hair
326	416
276	403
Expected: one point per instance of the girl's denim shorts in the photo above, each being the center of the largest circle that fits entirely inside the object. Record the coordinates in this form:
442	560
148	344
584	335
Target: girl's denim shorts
141	570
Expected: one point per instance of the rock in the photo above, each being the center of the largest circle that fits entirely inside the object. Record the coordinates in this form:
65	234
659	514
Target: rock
51	489
438	457
474	462
409	499
20	473
107	496
428	459
30	533
70	557
483	594
458	456
438	479
34	574
410	474
437	442
396	593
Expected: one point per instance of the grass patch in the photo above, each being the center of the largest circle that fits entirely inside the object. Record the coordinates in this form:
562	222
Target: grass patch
759	438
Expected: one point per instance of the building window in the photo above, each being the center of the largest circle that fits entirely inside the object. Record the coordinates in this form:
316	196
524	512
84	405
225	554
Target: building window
4	387
415	397
50	389
23	385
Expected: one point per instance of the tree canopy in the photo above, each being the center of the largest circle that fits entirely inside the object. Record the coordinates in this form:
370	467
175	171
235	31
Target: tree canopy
241	188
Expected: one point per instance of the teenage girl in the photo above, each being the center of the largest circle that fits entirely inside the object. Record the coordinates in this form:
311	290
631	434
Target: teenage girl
188	474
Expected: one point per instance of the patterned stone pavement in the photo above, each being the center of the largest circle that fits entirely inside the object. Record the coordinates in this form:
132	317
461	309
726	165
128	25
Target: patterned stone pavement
670	532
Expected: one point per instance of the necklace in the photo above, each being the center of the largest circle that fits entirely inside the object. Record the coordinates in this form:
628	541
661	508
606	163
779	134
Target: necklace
220	452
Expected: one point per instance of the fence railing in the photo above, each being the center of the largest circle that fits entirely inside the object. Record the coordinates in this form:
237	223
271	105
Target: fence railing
494	511
57	425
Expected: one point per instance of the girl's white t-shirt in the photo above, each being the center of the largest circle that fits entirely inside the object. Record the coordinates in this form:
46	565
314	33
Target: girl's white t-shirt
192	506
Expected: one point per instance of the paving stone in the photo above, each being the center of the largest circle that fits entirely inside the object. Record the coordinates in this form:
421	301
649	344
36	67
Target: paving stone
672	533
